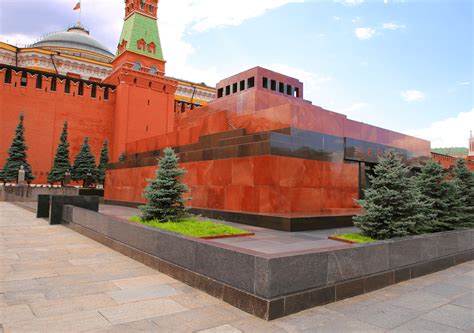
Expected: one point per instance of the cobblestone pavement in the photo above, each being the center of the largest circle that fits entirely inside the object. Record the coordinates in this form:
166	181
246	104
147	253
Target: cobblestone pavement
55	280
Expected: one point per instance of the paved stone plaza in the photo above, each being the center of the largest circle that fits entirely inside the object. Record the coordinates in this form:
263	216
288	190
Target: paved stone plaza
55	280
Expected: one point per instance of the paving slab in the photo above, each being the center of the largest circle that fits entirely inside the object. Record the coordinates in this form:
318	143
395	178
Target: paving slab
56	280
452	315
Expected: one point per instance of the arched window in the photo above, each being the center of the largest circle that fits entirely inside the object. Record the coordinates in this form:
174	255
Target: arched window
142	4
137	66
153	70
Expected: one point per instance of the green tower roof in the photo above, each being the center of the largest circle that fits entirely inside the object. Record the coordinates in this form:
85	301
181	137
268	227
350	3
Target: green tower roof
137	27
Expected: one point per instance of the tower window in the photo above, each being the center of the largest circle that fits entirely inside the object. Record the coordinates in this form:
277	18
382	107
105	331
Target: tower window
251	82
265	83
141	44
67	87
234	88
106	94
142	4
297	92
242	85
94	91
227	90
220	92
289	90
153	70
24	79
152	48
53	84
80	89
273	85
150	8
137	66
39	81
281	87
8	76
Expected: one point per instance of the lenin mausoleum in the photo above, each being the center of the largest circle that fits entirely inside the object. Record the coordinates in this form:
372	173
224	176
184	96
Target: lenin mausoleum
253	147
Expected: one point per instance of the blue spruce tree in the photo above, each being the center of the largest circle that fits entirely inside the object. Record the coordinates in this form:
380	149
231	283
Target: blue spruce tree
17	156
165	193
393	207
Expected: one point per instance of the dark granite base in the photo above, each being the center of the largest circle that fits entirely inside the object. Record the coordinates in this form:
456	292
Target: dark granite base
52	205
289	303
275	222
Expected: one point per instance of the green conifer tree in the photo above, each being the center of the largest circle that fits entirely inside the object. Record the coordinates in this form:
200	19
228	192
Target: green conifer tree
104	160
62	163
463	193
17	156
84	163
165	193
432	184
392	206
122	157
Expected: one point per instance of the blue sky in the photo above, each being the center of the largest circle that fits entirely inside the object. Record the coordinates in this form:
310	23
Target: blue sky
404	65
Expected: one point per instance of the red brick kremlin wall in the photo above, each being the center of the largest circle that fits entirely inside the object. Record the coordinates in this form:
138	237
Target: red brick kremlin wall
45	112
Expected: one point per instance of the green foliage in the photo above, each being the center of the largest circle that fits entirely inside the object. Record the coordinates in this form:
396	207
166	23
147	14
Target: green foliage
192	227
17	156
104	160
84	163
122	157
355	237
62	163
165	193
432	184
463	194
453	151
392	206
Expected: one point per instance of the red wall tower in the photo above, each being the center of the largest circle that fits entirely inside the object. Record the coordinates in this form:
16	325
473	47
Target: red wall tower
145	98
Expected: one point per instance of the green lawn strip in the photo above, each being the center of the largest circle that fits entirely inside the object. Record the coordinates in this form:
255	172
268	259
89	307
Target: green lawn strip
355	237
192	227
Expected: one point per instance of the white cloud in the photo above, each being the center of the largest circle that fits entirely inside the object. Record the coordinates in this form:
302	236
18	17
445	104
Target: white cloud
385	1
464	83
178	20
20	40
365	33
336	18
412	95
450	132
356	19
392	26
350	3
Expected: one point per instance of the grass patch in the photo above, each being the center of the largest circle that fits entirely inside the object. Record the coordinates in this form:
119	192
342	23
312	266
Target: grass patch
192	227
356	237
